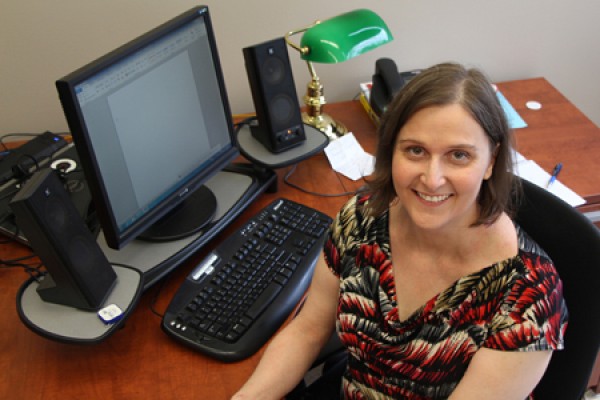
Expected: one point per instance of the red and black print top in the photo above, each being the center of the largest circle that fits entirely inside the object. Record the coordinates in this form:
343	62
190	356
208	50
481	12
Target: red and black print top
515	304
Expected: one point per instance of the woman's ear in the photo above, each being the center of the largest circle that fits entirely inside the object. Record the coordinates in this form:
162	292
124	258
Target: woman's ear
490	168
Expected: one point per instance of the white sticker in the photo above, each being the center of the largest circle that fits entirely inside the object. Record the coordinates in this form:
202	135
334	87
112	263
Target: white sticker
533	105
110	314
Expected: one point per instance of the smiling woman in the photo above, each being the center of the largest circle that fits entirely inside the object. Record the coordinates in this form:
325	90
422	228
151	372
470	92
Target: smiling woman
435	292
441	158
450	84
432	253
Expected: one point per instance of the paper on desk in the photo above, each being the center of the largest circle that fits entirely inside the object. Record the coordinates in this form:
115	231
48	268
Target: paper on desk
514	119
530	170
347	157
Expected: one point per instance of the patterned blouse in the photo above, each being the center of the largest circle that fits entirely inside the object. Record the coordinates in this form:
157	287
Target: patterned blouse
515	304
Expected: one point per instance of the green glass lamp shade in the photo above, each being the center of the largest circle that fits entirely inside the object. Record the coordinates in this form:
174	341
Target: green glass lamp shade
344	37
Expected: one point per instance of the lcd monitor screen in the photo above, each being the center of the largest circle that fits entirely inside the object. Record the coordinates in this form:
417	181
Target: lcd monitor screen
151	123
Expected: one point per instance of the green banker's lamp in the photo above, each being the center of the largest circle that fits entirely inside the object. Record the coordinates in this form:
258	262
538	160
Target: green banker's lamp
331	41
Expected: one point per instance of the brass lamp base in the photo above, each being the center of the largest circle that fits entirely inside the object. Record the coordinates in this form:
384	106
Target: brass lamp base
331	128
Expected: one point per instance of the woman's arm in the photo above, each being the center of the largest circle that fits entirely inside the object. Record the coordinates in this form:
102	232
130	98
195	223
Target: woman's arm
502	375
292	351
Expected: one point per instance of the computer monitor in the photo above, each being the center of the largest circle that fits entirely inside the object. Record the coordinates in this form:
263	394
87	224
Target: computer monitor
151	123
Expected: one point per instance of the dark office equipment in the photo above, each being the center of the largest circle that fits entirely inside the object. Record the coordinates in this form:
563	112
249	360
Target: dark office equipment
79	274
31	154
151	123
386	82
74	182
573	244
240	294
271	81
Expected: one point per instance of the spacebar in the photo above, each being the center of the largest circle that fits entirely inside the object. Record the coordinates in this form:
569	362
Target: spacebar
263	301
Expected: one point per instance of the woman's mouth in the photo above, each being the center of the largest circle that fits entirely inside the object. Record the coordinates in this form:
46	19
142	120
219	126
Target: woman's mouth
433	198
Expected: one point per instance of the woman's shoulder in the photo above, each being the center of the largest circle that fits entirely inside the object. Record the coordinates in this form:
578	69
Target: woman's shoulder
354	224
528	246
532	267
526	267
354	211
356	204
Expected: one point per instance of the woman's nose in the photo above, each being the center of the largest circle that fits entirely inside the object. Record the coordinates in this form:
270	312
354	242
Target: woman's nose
433	176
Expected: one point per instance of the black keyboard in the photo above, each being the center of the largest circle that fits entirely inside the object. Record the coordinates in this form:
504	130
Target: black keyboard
240	294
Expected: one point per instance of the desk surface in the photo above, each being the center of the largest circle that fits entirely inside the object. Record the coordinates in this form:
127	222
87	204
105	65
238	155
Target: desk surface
140	361
558	132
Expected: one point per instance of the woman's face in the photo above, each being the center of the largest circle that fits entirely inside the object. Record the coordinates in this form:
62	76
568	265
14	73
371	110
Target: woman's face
441	157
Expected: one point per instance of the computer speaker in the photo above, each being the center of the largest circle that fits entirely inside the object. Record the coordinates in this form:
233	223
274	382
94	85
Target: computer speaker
280	125
79	275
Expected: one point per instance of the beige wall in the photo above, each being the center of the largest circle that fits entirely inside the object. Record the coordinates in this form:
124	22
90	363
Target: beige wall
42	40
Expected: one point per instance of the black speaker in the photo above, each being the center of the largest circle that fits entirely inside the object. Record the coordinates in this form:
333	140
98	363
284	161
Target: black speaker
271	81
79	275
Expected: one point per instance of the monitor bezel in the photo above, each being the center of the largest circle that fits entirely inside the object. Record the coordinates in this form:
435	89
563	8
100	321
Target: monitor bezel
114	236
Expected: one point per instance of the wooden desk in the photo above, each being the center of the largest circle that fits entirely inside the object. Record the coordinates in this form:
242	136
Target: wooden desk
558	132
142	362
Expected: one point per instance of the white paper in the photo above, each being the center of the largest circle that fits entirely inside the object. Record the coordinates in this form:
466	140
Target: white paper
530	170
347	157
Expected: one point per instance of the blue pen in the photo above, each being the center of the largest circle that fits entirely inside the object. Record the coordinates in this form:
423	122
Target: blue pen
555	173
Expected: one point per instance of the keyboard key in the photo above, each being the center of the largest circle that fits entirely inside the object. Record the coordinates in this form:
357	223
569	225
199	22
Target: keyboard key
265	298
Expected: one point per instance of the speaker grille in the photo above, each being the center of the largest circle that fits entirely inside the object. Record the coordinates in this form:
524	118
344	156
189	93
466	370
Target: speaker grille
274	95
283	110
273	71
56	214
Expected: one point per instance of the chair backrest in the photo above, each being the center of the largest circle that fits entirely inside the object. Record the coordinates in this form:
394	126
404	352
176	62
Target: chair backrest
573	243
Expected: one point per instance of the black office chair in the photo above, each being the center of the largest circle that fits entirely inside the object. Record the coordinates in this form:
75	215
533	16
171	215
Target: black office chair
573	243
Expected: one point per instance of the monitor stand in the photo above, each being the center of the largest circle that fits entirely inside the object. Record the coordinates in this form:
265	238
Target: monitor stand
190	217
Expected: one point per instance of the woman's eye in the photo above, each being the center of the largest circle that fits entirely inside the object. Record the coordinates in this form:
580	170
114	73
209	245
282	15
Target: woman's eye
415	151
460	155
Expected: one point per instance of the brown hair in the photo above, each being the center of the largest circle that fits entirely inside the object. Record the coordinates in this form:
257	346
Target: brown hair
439	85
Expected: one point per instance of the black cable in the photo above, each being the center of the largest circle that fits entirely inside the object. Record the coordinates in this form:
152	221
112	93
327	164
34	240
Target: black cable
34	270
156	294
18	259
14	135
246	121
13	235
295	186
22	135
28	134
22	173
249	120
